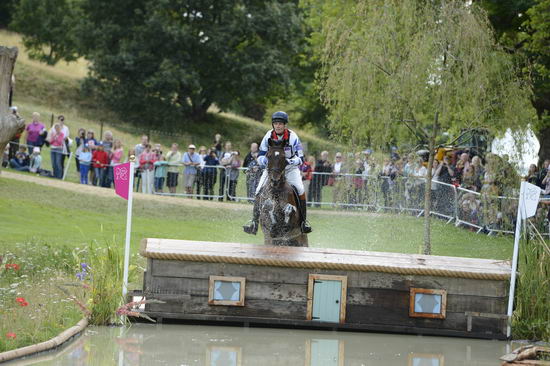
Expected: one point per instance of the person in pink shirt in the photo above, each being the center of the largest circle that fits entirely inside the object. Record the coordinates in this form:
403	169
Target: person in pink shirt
117	152
115	158
57	139
146	162
34	130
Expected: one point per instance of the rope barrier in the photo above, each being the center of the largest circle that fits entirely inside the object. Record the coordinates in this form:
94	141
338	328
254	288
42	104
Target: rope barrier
274	262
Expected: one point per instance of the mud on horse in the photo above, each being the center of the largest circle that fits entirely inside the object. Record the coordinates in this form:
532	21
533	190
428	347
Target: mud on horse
278	203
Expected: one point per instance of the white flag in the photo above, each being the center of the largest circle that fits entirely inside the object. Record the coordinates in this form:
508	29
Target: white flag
529	199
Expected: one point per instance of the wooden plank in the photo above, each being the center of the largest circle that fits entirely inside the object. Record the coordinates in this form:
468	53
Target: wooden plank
254	290
400	299
298	293
175	247
325	258
455	286
252	308
296	323
389	316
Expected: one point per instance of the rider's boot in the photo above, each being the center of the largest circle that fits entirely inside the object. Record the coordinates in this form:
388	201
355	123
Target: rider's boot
252	226
305	226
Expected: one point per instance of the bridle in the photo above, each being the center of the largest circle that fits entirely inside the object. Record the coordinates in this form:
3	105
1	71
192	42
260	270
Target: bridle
278	170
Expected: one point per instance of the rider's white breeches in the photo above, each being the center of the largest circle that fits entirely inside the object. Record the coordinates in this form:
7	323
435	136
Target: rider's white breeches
292	175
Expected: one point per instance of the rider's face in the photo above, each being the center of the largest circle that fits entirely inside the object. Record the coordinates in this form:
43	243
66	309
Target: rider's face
279	127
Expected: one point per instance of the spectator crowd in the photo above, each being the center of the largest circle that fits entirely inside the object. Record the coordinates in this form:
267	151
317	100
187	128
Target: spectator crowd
462	181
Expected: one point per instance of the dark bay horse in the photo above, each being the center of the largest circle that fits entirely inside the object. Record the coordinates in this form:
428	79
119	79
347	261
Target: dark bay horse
279	211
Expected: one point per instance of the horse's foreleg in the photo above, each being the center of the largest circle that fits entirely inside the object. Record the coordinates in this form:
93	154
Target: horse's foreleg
288	210
269	207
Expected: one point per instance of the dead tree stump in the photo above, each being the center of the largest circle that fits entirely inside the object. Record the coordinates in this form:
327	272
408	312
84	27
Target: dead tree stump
9	124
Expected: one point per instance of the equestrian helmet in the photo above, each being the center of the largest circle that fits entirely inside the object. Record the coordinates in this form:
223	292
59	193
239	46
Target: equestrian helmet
279	116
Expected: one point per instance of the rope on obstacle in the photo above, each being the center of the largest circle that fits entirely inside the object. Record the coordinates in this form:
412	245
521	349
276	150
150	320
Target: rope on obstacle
331	266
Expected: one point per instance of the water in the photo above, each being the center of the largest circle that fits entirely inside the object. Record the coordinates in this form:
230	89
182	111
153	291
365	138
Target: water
169	344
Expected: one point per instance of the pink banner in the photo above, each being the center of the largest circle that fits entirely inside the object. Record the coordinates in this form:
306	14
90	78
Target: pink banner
122	179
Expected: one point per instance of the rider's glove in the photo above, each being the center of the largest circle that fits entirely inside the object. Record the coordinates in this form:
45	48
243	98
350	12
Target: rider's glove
294	161
262	161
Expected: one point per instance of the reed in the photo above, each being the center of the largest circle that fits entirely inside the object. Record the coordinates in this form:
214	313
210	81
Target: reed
531	319
106	275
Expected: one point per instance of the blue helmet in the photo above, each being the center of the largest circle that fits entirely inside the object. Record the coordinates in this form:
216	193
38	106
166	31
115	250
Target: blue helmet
279	117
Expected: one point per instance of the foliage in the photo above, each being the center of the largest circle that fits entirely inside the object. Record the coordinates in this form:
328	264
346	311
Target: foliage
32	309
105	275
429	66
50	288
47	27
6	12
531	318
522	27
173	59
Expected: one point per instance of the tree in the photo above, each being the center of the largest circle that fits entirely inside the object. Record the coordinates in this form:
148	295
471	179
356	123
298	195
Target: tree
9	125
523	29
430	65
537	45
6	11
182	56
47	28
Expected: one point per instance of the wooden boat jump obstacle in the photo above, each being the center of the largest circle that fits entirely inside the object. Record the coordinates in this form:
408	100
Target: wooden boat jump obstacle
325	288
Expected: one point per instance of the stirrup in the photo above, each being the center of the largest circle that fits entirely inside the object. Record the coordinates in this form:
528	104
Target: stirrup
305	227
251	227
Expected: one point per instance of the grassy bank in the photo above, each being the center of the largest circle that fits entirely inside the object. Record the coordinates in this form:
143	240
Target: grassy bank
32	308
29	211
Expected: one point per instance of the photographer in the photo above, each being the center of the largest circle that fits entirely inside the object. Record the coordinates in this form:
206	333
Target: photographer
225	161
444	192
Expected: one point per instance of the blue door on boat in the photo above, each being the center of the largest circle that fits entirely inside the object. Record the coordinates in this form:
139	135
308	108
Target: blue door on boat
325	352
326	300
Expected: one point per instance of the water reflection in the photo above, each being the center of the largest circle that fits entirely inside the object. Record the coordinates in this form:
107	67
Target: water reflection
144	344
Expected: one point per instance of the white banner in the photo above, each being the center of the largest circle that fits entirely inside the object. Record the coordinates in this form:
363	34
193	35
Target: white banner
529	199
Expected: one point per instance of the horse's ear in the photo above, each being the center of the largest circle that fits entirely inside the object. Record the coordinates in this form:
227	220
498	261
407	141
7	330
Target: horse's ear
270	142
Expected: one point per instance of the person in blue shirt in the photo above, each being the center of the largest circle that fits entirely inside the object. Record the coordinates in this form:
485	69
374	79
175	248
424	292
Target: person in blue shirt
295	157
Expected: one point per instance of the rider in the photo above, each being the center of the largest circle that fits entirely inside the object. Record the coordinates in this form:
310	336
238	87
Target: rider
294	156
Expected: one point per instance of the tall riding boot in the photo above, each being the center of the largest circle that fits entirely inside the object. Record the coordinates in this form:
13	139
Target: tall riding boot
252	226
305	226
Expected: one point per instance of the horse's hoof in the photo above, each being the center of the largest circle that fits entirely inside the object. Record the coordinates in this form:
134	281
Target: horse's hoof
306	229
251	228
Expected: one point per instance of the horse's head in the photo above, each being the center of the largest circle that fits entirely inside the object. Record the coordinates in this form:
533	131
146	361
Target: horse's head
276	161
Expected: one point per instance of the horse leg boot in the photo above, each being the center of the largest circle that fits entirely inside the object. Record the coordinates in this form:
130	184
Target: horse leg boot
305	226
252	226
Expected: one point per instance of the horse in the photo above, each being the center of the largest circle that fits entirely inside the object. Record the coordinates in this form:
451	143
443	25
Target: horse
279	212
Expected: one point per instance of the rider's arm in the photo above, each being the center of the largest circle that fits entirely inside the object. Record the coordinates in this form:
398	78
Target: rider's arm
262	149
299	149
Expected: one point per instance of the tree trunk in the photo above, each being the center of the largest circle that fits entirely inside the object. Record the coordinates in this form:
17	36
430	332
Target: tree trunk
9	125
428	190
544	139
199	107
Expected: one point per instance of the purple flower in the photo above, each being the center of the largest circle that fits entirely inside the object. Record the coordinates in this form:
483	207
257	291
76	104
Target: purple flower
84	266
81	275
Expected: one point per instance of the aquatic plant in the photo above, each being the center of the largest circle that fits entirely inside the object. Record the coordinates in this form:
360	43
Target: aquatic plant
131	309
531	319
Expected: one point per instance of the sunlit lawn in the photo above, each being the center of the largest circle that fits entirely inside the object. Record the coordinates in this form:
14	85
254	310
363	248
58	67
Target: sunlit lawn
30	211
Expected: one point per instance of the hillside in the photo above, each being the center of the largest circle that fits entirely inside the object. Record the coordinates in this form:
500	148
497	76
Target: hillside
54	90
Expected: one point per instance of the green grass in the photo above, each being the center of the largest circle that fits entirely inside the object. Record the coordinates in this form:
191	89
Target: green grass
29	212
